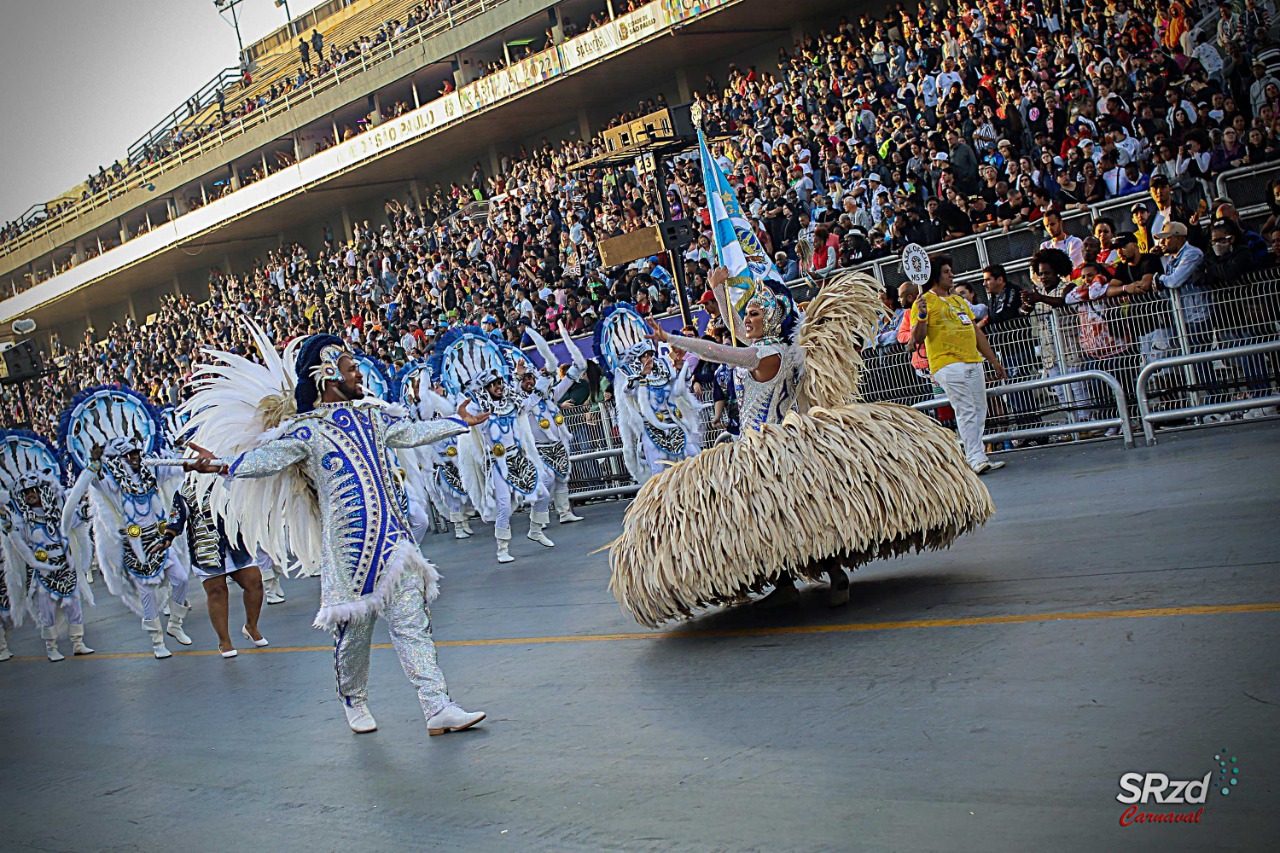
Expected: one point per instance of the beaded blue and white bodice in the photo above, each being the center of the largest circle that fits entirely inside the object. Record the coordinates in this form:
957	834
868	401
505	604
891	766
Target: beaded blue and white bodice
769	402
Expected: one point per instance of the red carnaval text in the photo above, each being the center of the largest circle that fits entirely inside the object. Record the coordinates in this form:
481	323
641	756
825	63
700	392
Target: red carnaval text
1132	815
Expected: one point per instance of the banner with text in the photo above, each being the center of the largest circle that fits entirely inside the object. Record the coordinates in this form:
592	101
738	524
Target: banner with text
521	75
619	33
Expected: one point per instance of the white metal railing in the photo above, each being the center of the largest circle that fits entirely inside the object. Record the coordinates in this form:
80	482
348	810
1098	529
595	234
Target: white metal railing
1120	421
1151	417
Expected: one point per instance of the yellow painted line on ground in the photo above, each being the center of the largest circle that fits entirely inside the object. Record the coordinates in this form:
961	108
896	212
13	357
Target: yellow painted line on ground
972	621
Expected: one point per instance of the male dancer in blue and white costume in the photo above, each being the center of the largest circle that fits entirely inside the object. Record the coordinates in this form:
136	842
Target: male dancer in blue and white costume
658	416
444	486
38	557
370	564
550	435
505	449
134	529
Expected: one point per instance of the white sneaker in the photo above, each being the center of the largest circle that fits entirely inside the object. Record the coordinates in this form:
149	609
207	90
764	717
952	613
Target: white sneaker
358	717
273	597
5	655
452	719
988	467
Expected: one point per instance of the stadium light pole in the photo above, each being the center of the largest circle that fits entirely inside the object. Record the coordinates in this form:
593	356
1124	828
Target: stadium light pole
225	6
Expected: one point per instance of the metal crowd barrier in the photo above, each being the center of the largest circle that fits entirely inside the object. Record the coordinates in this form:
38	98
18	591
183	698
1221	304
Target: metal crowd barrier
1121	420
1151	418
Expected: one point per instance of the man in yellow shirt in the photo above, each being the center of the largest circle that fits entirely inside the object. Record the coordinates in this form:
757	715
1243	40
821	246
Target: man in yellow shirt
956	347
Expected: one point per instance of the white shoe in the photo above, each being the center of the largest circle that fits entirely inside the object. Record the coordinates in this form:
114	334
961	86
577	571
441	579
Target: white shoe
244	630
988	467
569	517
460	532
79	648
177	613
51	649
504	545
358	716
5	654
158	647
535	534
230	654
452	719
273	593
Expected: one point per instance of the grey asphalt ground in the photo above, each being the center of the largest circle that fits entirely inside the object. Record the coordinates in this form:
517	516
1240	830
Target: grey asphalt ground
773	730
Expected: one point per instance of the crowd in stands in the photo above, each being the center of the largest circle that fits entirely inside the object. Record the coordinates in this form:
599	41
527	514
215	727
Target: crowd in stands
931	123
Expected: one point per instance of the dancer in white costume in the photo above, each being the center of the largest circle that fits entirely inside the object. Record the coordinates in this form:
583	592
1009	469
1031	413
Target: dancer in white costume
707	532
46	548
312	472
658	417
106	432
542	406
498	461
444	480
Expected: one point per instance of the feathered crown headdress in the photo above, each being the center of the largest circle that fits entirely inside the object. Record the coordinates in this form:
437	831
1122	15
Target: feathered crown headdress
618	331
316	364
116	419
24	457
465	358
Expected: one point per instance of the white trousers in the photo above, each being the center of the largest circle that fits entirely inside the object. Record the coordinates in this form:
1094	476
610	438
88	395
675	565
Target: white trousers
176	574
45	607
966	389
502	493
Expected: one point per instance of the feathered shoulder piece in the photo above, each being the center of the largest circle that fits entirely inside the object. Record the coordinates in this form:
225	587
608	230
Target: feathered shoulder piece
237	404
620	328
837	325
103	414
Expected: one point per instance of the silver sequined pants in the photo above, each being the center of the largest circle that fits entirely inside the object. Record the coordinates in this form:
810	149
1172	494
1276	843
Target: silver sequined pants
409	622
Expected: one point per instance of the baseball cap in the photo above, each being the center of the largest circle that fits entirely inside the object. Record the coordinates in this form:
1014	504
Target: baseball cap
1173	229
941	156
1139	206
1121	240
489	318
652	260
707	298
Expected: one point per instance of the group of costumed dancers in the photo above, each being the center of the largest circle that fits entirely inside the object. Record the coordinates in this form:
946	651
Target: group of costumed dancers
314	460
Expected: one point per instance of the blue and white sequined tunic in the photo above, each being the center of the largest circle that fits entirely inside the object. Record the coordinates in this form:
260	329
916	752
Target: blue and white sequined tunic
345	450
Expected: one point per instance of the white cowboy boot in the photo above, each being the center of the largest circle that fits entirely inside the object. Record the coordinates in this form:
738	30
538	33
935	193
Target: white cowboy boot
537	521
503	535
564	508
50	637
77	641
158	648
272	592
177	612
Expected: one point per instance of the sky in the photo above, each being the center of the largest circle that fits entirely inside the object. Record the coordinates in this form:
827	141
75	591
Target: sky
82	80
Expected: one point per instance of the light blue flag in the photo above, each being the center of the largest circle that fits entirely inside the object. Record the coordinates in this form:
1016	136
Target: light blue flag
738	249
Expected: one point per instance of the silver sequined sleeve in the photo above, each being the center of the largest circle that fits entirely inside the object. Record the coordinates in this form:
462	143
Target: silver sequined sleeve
404	432
270	458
